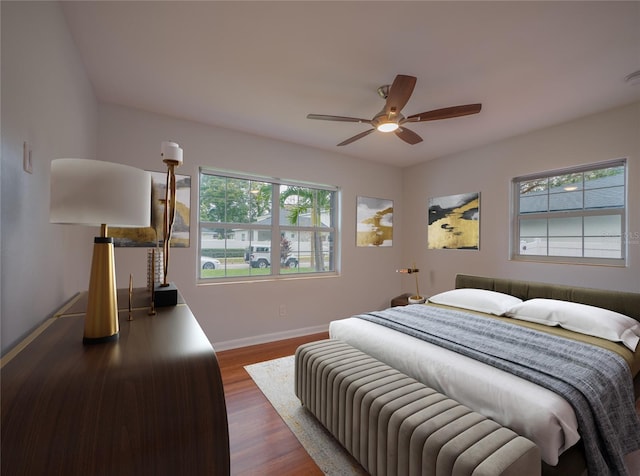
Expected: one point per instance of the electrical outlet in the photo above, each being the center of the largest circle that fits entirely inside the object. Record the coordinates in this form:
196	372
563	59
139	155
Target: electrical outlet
27	165
283	310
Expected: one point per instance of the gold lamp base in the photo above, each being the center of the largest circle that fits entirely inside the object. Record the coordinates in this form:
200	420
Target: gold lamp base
101	319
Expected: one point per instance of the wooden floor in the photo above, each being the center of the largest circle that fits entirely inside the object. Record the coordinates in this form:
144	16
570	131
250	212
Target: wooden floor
259	440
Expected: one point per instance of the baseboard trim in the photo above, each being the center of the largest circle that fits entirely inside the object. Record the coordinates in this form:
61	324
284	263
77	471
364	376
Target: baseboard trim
265	338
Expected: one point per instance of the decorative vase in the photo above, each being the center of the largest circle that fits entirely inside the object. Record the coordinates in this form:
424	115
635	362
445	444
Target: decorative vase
155	267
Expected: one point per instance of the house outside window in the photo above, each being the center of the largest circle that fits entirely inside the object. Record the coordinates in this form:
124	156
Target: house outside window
259	228
575	215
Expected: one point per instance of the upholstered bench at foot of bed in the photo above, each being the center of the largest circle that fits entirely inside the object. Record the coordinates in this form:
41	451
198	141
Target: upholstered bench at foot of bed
394	425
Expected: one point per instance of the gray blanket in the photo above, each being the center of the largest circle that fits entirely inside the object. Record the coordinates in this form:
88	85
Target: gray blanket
596	382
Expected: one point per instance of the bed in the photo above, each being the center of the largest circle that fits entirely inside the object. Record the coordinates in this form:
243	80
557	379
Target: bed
529	409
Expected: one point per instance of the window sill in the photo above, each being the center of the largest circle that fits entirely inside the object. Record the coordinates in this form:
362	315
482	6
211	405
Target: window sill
263	279
564	260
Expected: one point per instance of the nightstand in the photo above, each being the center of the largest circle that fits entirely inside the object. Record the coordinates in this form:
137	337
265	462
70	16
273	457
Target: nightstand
401	300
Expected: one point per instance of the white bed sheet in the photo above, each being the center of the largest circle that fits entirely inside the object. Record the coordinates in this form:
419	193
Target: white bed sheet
530	410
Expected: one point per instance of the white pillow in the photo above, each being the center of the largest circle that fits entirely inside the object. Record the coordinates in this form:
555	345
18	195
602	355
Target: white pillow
589	320
481	300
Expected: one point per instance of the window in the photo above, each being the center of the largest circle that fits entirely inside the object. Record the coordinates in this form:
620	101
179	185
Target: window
263	227
576	215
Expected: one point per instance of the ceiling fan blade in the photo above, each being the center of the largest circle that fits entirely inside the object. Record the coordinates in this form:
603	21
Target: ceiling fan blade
408	135
445	113
399	93
356	137
323	117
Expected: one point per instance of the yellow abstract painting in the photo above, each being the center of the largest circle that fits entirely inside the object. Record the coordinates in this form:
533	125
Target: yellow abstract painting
454	222
152	235
374	222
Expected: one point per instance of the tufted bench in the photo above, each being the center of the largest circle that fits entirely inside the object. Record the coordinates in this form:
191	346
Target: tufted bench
395	425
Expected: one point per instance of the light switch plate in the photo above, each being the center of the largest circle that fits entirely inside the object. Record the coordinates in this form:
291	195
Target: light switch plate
27	165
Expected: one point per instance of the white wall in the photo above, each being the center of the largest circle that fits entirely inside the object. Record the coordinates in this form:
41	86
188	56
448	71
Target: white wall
489	170
47	101
241	313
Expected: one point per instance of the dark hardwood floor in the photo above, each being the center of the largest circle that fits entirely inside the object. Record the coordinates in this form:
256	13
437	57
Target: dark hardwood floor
259	440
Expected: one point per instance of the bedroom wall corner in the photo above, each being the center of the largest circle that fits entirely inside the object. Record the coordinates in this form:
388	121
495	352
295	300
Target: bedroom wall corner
47	103
489	170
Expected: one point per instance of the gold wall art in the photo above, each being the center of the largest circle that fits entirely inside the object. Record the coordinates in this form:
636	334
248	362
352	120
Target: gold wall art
454	222
153	235
374	218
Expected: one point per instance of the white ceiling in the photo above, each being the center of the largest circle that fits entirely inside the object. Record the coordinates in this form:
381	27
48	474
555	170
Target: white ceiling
261	67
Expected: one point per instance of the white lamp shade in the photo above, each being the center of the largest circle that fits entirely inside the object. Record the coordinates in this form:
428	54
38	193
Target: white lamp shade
95	192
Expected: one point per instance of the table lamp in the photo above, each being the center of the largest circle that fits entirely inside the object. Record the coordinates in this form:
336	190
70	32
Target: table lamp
98	193
417	299
166	294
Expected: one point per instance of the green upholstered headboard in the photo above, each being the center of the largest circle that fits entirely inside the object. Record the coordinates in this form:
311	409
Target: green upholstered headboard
619	301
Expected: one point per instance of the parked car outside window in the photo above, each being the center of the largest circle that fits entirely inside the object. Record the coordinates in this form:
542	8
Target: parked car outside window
209	263
260	257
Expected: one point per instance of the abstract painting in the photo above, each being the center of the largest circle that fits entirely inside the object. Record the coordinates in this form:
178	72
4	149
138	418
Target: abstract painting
454	222
374	218
153	235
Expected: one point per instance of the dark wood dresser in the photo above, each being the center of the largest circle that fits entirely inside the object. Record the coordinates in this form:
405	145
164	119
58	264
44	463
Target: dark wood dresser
151	403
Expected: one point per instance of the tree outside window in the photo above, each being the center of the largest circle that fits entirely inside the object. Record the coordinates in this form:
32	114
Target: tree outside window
250	237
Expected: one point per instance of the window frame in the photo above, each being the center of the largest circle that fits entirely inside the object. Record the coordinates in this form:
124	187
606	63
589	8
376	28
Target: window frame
517	217
276	228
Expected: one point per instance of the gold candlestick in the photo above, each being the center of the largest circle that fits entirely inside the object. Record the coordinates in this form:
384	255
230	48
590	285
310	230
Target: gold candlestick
152	307
130	295
167	293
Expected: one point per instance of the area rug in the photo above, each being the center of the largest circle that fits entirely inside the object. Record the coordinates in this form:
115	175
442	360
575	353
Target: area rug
275	378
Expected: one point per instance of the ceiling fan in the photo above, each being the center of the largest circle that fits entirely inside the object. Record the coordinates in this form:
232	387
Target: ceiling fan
390	119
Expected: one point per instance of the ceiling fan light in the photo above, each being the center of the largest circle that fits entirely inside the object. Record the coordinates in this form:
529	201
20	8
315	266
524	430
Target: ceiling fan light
387	127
